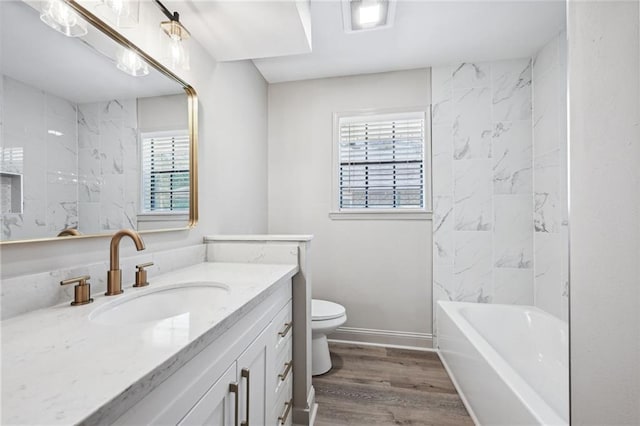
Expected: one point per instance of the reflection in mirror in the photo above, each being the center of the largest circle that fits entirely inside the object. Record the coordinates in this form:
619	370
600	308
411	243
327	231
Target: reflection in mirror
92	138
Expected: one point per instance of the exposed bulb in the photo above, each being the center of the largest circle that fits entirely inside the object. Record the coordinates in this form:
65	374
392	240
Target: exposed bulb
131	63
120	8
58	15
122	13
178	54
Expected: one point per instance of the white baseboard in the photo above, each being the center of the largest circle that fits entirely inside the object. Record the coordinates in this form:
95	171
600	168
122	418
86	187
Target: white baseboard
388	338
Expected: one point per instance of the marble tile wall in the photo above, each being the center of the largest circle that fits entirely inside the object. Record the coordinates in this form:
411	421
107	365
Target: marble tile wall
26	293
500	181
39	140
79	162
550	178
483	182
108	165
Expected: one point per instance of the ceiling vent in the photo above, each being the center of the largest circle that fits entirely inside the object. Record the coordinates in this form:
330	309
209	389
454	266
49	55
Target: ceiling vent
367	15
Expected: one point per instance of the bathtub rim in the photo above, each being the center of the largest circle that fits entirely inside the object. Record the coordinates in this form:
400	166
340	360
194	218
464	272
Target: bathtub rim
528	397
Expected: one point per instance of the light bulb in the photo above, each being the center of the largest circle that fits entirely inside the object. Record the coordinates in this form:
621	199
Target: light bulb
177	51
58	15
178	54
122	13
120	8
131	63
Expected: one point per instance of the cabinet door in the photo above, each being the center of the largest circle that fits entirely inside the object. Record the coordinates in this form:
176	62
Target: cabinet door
252	369
219	406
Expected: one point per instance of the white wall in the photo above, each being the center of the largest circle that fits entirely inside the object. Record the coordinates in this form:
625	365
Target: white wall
379	270
161	113
604	105
232	117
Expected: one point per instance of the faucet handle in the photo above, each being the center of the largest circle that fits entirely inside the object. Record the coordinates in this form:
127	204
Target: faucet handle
82	290
141	275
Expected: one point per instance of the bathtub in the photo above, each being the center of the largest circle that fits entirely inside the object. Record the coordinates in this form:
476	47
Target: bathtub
509	363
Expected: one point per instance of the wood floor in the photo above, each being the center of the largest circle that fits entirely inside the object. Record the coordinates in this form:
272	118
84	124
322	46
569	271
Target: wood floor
370	386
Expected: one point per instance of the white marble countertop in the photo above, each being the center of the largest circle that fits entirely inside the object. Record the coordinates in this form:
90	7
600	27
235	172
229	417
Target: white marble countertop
259	237
58	367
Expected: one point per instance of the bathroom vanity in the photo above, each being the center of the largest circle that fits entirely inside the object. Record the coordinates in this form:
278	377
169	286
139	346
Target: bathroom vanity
227	360
222	333
244	376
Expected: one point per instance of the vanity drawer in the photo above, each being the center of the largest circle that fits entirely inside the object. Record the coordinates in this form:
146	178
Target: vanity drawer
283	326
283	366
282	410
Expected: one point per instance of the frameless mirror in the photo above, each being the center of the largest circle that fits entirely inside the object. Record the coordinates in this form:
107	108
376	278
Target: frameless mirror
94	137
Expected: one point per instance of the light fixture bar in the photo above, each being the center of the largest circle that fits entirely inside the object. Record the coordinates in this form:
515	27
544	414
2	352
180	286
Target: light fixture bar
173	27
175	16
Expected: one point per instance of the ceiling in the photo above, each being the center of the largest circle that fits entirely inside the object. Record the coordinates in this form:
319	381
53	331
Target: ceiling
247	29
425	33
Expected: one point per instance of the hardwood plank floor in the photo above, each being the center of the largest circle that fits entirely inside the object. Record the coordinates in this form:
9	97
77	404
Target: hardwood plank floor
374	386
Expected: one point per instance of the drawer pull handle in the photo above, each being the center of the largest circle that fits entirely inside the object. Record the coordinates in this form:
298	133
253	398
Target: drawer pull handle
245	374
283	418
285	330
286	371
233	388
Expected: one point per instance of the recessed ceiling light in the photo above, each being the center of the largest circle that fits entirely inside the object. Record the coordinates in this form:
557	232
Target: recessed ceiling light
55	133
361	15
369	15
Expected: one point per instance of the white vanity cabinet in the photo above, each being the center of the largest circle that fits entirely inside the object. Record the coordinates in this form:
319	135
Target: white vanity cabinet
238	379
216	406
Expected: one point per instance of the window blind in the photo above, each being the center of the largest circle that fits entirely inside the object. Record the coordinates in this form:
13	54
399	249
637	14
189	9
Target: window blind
165	172
381	163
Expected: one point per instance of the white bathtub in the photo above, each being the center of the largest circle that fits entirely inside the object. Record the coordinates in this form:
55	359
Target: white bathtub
509	363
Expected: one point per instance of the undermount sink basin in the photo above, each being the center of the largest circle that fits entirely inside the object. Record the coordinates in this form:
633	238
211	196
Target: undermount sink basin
161	303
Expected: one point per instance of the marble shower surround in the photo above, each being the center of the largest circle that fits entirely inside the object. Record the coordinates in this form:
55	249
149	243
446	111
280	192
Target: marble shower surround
108	160
85	177
483	182
42	128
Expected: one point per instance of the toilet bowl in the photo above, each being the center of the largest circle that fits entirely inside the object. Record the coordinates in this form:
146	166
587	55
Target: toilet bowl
326	317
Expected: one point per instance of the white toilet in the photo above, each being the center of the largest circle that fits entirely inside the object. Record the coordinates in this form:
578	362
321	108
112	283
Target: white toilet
326	317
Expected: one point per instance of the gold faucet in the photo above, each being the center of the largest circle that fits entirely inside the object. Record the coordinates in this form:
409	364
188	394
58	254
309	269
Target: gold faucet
69	232
114	276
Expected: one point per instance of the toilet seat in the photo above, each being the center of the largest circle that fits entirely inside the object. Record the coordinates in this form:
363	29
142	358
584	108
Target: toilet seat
322	310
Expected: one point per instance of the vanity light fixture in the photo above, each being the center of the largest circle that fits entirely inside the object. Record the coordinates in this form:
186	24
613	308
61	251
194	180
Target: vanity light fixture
361	15
61	17
131	63
178	34
122	13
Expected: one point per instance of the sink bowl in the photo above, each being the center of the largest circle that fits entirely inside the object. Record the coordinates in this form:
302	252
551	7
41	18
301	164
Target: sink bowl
195	298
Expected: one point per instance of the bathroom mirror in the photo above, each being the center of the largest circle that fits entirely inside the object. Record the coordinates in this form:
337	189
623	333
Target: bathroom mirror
95	135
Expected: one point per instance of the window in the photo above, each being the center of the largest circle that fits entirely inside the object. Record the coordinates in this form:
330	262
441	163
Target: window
381	162
165	172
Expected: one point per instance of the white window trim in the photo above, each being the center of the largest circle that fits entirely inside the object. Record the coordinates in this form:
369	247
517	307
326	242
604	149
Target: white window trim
424	213
176	216
163	217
